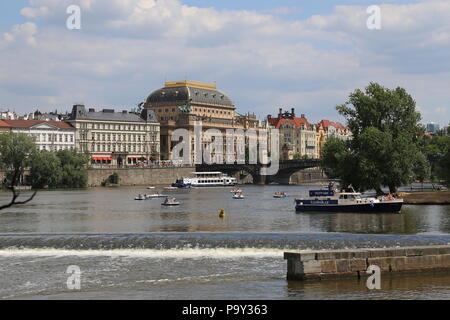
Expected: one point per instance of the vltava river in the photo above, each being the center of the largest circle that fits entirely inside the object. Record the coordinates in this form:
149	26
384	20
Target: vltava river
138	249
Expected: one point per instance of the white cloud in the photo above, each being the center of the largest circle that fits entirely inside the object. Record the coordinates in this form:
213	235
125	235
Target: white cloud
126	48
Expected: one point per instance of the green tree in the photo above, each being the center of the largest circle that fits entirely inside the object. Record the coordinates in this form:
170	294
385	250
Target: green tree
444	167
16	151
74	169
435	148
385	149
297	156
45	170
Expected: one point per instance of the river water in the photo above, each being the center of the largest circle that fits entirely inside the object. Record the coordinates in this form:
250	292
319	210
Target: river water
127	249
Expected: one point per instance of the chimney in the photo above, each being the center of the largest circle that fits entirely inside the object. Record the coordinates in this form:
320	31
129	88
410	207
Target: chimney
280	112
269	117
91	110
124	111
293	113
303	116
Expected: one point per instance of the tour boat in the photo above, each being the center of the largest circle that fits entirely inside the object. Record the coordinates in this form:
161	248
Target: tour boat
207	179
346	201
170	202
280	195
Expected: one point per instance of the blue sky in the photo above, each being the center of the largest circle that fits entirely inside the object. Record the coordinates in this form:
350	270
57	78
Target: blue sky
268	54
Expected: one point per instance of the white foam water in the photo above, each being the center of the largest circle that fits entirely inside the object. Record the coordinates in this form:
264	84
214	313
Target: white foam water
213	253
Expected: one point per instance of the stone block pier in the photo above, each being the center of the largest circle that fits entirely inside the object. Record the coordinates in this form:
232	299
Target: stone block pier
317	265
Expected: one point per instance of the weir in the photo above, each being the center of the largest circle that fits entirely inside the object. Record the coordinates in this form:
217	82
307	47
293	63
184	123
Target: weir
332	264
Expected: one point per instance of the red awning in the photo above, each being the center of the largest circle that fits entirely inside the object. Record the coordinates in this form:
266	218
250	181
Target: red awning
101	158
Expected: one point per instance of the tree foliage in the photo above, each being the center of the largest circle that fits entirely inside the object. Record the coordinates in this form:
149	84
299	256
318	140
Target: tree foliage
45	170
16	151
63	169
385	149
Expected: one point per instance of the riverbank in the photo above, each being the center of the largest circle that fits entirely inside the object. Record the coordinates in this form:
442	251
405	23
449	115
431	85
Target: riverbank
427	198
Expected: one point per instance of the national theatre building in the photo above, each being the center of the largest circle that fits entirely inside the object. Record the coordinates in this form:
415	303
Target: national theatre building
181	104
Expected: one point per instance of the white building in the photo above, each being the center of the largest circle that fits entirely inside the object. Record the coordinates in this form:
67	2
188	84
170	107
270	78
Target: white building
116	138
49	135
297	135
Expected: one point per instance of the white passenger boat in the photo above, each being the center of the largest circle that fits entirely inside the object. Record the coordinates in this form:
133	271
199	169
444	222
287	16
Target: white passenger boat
206	179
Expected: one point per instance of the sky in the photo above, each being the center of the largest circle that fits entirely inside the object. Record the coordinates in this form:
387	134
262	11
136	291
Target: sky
265	55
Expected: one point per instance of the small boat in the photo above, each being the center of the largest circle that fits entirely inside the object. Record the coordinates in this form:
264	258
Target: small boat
238	196
157	195
280	195
236	190
170	202
142	197
151	187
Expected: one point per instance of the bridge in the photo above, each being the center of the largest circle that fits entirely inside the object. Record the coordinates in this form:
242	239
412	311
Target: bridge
286	169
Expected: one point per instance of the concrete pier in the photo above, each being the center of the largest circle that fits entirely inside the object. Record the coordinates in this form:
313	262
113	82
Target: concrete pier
317	265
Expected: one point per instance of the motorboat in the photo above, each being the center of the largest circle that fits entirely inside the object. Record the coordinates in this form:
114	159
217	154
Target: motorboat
332	200
170	202
280	195
236	190
151	187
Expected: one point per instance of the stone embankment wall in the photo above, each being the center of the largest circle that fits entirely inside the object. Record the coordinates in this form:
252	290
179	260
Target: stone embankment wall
139	176
315	265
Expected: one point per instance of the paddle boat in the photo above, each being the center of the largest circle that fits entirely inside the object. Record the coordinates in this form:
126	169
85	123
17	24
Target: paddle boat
170	202
157	195
142	197
238	196
280	195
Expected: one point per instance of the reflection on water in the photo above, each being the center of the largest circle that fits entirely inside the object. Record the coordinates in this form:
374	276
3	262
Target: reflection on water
434	286
140	250
114	210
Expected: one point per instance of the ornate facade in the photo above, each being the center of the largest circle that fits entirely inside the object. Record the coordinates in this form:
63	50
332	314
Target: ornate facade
116	138
182	104
297	135
325	129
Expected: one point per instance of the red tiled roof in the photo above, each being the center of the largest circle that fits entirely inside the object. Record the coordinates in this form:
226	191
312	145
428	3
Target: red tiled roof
4	124
326	123
31	123
297	122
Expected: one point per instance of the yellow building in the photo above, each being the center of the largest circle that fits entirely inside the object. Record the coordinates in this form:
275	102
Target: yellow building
180	104
326	129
